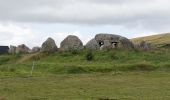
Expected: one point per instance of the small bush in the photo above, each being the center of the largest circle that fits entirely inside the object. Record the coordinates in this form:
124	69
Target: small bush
74	52
89	56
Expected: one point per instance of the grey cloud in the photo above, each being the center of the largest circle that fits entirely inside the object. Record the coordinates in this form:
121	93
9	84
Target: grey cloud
145	13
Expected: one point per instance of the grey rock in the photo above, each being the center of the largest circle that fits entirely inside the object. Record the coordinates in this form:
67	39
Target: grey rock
125	43
49	46
71	42
22	49
12	49
93	45
113	41
144	45
35	49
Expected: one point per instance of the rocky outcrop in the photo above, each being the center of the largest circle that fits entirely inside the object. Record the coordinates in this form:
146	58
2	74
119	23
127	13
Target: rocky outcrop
49	46
35	49
92	44
22	49
110	41
71	42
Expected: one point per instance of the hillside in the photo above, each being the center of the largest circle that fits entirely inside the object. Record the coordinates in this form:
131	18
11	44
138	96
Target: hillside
76	62
159	40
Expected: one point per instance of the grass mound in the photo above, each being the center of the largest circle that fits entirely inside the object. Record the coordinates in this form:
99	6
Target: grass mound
84	62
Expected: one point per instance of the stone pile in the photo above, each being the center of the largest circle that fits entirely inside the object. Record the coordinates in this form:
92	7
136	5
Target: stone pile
71	42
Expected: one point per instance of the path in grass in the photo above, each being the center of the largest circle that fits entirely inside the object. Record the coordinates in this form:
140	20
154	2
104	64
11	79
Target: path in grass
121	86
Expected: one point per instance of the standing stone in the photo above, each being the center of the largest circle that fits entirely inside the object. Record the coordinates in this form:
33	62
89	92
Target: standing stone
12	49
93	45
22	49
49	46
71	42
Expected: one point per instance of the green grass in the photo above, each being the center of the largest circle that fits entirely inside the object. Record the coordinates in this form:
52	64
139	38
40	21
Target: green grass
113	86
111	74
76	63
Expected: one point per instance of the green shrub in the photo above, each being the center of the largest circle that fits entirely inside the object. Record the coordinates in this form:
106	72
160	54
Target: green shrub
75	52
89	56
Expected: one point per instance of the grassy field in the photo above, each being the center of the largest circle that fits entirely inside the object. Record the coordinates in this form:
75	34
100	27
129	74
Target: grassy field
109	86
111	74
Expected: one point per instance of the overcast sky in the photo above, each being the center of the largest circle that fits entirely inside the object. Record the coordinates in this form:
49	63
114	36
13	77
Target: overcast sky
32	21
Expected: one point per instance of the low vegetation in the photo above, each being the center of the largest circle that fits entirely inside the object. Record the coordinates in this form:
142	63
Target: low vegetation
84	75
85	62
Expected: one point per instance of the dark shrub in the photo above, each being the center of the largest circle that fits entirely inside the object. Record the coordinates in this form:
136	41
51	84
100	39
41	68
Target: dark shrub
114	56
89	56
74	52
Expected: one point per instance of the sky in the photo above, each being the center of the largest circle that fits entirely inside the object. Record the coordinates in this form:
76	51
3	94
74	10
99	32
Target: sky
31	22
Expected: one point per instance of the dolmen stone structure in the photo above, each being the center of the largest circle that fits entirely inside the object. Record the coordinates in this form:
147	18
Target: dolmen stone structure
108	41
71	42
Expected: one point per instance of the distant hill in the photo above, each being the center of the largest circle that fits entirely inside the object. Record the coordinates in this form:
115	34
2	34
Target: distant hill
159	40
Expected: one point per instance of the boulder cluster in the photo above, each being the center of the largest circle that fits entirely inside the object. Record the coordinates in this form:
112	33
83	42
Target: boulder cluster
71	42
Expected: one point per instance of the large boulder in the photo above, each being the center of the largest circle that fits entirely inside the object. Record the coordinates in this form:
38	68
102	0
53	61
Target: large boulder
49	46
105	36
125	43
35	49
93	45
12	49
71	42
22	49
113	41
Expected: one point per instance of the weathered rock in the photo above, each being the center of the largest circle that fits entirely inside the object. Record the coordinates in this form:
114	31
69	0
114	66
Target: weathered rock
35	49
125	43
93	45
110	37
113	41
144	45
22	49
12	49
71	42
49	46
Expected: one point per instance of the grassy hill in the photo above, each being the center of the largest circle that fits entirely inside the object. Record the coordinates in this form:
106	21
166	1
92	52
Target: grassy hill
158	40
76	62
